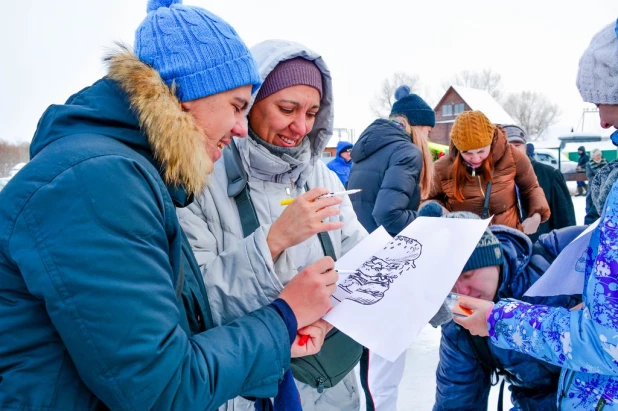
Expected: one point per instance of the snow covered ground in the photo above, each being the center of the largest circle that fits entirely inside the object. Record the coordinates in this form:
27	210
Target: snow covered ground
418	387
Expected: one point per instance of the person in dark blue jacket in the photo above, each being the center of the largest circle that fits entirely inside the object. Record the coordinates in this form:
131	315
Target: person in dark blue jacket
504	264
393	165
582	161
102	304
342	163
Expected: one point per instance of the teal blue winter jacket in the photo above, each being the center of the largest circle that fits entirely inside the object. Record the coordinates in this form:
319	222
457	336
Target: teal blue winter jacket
102	304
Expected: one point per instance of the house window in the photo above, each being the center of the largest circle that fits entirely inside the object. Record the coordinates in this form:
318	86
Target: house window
447	110
459	108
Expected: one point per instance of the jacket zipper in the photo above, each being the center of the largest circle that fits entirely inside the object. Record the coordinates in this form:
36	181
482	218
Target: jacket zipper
565	382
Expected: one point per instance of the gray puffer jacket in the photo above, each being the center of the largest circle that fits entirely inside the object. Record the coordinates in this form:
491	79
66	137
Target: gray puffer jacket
239	273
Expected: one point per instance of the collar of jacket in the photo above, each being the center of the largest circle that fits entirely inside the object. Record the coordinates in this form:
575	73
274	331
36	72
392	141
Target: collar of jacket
263	165
176	141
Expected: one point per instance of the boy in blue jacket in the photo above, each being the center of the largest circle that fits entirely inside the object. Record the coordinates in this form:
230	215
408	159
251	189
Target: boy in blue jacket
342	163
503	265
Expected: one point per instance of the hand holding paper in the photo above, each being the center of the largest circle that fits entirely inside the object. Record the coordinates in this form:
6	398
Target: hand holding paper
308	293
399	284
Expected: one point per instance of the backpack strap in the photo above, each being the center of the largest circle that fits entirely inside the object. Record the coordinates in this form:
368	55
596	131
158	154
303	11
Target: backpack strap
238	188
325	241
520	207
486	203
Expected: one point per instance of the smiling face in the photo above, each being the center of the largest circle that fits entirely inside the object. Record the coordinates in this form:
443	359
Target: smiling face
476	157
221	116
480	283
284	118
609	115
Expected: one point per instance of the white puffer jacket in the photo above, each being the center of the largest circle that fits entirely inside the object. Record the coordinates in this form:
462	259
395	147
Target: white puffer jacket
239	272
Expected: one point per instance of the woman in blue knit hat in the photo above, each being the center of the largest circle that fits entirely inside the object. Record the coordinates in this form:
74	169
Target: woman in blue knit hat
393	165
102	304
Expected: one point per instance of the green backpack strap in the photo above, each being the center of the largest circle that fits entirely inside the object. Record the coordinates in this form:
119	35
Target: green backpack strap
238	188
325	241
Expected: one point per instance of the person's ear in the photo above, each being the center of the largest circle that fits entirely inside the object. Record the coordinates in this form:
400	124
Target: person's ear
186	105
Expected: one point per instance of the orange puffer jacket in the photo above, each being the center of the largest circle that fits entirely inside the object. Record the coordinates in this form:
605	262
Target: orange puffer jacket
511	167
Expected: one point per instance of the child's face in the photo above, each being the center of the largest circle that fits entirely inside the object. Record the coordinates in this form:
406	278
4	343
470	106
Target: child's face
480	283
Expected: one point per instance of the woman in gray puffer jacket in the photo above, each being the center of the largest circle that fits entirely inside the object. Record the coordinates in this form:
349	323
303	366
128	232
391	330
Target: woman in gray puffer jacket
290	123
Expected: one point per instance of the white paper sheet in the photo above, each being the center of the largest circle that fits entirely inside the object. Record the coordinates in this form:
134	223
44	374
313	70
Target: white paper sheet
565	276
402	285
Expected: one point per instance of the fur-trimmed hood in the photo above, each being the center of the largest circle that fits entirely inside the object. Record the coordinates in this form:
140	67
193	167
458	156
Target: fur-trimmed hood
155	125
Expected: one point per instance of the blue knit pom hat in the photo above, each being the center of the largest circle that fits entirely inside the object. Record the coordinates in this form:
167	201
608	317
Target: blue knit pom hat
412	107
194	49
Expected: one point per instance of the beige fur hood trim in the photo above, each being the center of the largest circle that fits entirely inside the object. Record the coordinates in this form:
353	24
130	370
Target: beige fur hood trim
176	140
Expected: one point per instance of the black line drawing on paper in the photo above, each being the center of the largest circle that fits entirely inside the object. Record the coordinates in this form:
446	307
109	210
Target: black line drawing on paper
369	283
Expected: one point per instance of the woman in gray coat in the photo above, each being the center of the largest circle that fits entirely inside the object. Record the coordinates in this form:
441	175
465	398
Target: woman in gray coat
290	123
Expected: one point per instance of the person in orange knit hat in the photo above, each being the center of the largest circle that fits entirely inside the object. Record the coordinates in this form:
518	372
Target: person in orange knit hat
483	174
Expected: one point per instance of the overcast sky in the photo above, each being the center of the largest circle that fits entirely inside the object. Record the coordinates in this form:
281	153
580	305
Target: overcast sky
53	48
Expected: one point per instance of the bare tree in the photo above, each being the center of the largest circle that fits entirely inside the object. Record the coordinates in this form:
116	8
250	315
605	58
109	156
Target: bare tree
486	79
383	100
532	111
11	154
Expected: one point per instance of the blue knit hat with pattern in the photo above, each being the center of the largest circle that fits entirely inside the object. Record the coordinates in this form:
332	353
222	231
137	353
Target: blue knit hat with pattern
488	251
194	49
413	108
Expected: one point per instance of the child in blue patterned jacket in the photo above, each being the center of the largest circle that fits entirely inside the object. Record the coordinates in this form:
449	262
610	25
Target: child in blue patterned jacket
583	342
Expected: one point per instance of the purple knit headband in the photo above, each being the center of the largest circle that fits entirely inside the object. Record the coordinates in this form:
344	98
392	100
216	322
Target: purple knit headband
291	73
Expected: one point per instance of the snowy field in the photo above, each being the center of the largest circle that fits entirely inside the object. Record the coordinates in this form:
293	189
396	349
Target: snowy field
418	387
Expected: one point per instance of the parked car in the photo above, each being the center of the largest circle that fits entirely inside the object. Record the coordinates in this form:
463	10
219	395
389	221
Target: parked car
550	157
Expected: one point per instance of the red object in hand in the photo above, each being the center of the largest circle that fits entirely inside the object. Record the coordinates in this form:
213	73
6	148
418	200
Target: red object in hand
303	340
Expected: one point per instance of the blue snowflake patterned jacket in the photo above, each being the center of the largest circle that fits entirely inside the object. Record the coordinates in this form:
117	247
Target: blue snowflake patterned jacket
583	342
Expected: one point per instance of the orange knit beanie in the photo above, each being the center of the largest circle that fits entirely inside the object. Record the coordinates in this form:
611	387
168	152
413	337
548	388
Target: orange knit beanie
472	130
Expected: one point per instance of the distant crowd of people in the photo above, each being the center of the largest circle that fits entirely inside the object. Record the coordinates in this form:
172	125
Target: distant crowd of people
171	244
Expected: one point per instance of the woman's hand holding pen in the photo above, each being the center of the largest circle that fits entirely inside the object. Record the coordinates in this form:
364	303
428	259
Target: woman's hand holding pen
302	219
